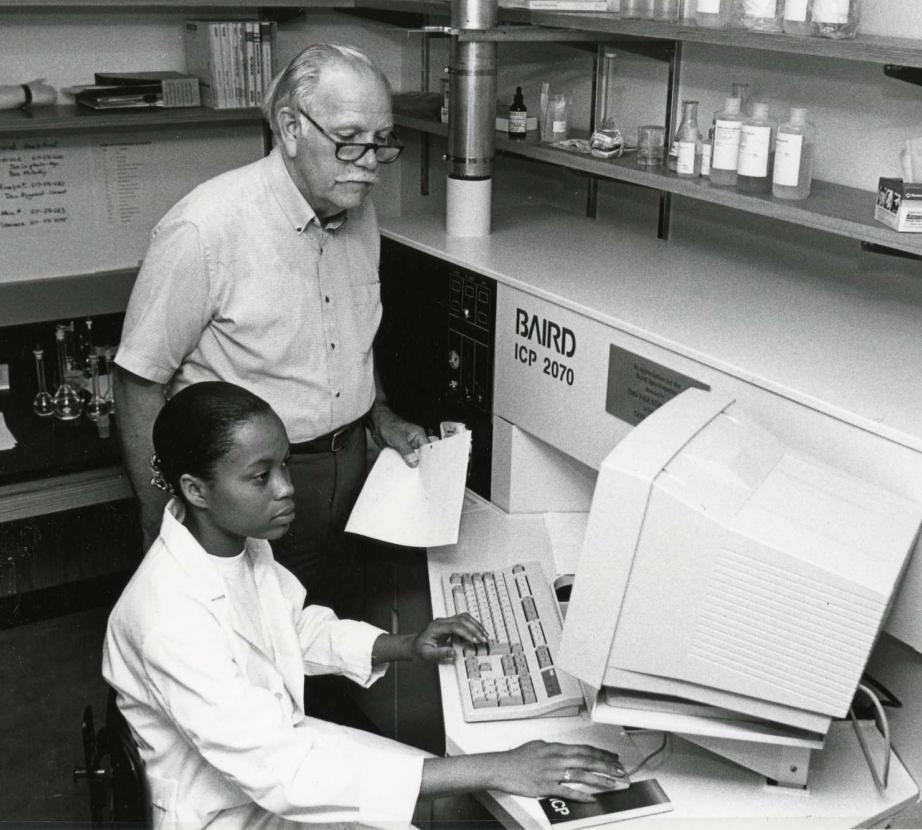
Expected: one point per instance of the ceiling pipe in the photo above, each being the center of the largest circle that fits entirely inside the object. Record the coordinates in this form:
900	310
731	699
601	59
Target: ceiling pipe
471	120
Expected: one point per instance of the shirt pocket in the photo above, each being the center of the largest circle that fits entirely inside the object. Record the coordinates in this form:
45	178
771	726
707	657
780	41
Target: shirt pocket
362	316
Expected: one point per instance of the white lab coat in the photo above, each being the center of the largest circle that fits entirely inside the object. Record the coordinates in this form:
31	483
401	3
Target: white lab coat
219	724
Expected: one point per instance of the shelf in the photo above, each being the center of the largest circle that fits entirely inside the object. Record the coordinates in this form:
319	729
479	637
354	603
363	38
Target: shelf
837	209
71	119
866	48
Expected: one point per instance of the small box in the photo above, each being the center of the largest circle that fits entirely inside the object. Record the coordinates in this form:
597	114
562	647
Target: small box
899	205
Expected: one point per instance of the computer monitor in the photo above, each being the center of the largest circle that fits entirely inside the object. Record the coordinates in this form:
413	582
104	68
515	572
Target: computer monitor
729	588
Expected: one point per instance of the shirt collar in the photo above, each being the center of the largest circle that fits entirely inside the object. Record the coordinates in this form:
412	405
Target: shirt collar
295	207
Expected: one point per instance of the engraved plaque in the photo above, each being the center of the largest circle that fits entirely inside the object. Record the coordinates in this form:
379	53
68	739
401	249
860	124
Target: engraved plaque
637	386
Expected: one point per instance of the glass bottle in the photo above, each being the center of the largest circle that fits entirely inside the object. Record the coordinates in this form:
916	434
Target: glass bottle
794	146
757	151
518	116
743	91
68	402
559	117
838	19
714	14
688	140
728	124
761	15
631	9
666	10
797	17
95	406
42	403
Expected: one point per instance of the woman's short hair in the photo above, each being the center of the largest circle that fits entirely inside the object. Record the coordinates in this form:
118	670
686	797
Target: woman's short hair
195	428
296	84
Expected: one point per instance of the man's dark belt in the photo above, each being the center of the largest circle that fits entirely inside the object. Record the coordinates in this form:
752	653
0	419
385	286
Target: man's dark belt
331	442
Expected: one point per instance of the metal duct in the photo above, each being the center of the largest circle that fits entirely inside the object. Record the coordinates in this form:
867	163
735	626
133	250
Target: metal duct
472	96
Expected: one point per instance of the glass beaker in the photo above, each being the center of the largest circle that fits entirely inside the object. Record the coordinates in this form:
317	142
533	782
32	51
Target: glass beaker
651	145
68	402
42	403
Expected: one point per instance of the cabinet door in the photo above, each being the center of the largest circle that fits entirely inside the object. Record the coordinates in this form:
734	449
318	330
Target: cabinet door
418	703
379	609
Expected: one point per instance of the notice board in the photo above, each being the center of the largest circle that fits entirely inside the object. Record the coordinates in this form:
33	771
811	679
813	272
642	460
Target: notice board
87	203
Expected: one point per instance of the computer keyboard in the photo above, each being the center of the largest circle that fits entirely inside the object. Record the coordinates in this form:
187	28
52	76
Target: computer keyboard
513	676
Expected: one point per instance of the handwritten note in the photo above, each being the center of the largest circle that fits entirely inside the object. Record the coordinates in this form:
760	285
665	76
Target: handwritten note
75	204
34	187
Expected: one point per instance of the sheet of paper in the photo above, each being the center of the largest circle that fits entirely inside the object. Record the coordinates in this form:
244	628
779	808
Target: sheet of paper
566	532
7	441
415	506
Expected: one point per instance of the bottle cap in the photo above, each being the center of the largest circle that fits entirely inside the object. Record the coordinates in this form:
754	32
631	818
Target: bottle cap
760	111
517	99
732	106
798	115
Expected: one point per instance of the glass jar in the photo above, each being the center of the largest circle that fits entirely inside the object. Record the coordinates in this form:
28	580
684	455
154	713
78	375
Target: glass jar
838	19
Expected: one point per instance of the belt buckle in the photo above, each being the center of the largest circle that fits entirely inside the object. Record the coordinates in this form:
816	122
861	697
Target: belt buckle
337	434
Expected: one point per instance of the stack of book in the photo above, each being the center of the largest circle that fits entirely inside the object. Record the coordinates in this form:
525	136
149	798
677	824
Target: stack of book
231	58
139	90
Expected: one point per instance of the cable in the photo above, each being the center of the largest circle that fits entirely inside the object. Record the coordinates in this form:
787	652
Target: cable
881	780
649	757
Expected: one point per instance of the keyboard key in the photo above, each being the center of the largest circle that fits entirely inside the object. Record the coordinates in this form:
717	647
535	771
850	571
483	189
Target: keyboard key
521	664
528	606
472	667
543	653
509	665
551	682
528	689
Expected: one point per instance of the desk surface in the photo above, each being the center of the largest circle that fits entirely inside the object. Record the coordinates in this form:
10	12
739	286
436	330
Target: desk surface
700	785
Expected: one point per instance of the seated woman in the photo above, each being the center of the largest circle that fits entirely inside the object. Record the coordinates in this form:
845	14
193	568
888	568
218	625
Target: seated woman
209	643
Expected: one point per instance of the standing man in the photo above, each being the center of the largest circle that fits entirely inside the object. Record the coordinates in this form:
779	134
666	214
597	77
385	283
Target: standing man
267	277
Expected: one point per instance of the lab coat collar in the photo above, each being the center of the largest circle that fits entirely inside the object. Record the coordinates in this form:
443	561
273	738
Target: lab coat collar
205	578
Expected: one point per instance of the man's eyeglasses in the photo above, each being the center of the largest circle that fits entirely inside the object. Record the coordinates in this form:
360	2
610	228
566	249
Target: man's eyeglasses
352	151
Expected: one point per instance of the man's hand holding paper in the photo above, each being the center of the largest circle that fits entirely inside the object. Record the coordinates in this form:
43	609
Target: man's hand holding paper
415	506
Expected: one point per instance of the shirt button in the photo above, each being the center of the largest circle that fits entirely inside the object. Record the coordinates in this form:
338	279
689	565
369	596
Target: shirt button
337	394
326	299
332	345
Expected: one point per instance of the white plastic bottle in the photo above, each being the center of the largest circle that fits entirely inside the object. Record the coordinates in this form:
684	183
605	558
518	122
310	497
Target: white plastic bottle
797	19
761	15
714	14
728	124
837	19
793	172
757	139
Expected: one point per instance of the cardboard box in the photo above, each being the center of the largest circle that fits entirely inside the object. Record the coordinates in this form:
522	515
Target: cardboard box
899	205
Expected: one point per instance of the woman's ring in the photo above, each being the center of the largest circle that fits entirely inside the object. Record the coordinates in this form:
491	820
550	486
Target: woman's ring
568	774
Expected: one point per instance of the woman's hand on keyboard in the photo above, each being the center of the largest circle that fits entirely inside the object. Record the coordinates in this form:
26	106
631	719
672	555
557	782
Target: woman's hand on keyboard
541	769
434	642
